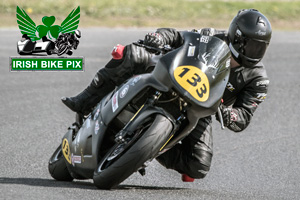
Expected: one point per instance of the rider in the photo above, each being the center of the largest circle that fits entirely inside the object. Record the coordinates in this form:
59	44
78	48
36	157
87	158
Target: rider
72	38
248	37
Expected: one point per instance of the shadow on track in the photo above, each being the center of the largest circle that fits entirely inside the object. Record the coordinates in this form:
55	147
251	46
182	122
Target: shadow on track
40	182
140	187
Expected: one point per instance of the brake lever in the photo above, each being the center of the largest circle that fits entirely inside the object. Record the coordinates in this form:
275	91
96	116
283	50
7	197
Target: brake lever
221	118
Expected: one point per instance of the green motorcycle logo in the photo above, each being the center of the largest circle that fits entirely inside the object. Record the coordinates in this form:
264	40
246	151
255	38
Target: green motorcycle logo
28	27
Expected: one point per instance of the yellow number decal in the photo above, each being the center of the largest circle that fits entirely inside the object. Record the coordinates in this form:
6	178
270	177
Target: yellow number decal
193	80
66	150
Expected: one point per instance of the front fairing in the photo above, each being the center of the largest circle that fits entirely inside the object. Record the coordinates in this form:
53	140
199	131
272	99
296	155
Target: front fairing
198	70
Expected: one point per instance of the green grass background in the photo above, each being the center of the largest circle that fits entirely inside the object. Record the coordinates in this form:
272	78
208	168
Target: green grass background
283	15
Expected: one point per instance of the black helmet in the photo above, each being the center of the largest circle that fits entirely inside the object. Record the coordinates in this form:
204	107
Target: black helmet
249	36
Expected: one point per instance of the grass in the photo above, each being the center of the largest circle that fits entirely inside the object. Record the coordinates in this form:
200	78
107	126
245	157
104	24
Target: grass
153	13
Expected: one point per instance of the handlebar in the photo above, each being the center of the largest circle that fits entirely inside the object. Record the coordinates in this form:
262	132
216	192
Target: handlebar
163	50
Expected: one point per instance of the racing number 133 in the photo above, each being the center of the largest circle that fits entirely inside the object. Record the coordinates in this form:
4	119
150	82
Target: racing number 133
193	80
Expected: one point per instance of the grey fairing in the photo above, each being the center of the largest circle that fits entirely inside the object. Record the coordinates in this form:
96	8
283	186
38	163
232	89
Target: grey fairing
90	137
116	102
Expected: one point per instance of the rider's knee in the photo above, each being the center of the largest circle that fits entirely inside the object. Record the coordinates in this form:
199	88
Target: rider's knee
138	56
129	56
199	166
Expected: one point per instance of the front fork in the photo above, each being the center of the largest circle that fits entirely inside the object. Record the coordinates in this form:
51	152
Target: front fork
120	137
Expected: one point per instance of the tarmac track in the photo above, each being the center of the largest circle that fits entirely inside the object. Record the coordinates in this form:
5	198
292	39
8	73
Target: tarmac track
262	162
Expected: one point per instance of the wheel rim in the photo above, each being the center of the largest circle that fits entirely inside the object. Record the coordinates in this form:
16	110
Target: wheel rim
120	148
62	49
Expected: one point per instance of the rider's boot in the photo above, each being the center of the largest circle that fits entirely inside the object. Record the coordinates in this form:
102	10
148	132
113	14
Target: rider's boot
89	97
117	70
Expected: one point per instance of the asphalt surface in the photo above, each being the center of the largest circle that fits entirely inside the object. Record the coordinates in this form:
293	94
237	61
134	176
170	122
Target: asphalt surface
262	162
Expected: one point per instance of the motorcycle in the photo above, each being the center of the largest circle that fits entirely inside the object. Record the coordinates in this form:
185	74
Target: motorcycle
145	116
65	45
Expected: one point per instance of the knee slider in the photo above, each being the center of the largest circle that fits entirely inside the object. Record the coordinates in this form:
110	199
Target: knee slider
197	170
200	164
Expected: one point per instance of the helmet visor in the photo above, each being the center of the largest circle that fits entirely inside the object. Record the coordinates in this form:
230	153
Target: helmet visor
254	49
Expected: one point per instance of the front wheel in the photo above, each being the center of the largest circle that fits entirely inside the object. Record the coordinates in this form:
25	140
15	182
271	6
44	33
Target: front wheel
119	165
57	166
63	48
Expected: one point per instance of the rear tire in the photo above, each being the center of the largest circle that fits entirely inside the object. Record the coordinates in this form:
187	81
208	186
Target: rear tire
50	48
57	166
147	146
49	52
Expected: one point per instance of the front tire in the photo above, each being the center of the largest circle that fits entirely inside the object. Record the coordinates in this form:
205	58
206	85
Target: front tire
57	166
62	49
109	175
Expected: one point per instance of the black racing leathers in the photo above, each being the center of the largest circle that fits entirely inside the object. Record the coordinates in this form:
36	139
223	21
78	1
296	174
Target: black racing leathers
246	88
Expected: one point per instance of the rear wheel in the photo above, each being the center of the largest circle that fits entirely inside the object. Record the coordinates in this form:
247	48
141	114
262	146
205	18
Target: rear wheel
57	166
49	52
126	158
50	48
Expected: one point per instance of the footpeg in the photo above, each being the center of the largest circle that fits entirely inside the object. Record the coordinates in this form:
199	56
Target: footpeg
142	171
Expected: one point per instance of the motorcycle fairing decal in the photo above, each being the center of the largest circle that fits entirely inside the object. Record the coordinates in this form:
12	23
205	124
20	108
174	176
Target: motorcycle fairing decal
115	103
66	150
75	159
204	39
135	80
193	80
96	114
191	51
97	127
124	91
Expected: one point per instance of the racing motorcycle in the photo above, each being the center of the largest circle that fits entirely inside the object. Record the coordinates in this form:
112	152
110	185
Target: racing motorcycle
145	116
66	43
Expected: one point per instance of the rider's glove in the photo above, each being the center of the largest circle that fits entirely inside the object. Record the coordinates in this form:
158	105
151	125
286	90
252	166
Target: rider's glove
154	40
226	115
208	31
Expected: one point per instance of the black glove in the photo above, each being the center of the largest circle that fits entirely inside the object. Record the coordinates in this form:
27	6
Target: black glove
208	31
226	115
154	40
